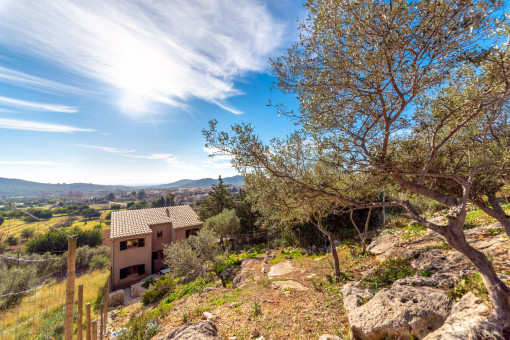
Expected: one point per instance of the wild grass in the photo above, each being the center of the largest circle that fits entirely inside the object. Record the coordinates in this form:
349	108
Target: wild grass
48	300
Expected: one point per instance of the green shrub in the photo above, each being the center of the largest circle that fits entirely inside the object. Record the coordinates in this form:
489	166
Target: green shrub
28	233
388	272
16	279
99	261
12	240
158	290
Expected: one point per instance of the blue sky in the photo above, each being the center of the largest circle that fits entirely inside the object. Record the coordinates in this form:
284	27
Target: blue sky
117	92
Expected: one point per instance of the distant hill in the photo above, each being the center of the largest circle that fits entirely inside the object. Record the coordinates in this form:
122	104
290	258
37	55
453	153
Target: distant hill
17	187
200	183
11	187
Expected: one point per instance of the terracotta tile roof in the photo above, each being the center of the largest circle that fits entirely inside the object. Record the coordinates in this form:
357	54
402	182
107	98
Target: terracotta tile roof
138	222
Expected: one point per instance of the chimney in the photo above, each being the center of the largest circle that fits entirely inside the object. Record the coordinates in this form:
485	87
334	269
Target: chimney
167	212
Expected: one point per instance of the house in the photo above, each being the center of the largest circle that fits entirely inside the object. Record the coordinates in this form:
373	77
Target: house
138	237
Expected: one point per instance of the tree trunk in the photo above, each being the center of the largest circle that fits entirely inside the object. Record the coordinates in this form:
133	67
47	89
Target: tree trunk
335	257
499	293
496	212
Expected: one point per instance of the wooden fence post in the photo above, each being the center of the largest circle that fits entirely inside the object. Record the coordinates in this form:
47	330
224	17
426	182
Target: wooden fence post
87	321
106	301
101	324
79	321
94	330
71	266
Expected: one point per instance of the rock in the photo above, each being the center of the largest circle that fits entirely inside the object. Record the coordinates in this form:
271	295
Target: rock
116	298
210	316
210	289
397	312
329	337
467	321
289	285
353	296
254	334
232	338
447	267
280	269
260	338
417	281
264	268
246	265
137	289
202	330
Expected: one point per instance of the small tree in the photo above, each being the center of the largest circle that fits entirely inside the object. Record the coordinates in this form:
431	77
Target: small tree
196	257
220	198
226	224
110	196
12	240
27	233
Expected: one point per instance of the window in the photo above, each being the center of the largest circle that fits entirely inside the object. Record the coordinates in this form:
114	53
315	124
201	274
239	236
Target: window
137	242
159	234
138	269
190	232
160	254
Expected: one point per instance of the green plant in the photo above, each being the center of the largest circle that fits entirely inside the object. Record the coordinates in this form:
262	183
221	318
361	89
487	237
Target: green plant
388	272
12	240
185	317
148	282
494	231
426	273
156	292
99	261
470	283
28	233
256	310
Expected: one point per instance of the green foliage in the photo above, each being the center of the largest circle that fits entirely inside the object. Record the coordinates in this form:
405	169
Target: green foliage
470	283
54	242
388	272
16	279
1	220
28	233
225	224
494	231
99	261
164	201
158	290
256	310
52	326
12	240
220	198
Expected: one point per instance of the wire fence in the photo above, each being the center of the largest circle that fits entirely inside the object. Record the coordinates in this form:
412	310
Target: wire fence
40	297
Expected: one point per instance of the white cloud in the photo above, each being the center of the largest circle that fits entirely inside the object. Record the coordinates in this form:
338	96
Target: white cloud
24	104
217	154
153	51
26	80
104	148
49	163
15	124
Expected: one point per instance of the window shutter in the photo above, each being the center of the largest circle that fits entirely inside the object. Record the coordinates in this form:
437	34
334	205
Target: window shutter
141	242
123	273
123	245
141	269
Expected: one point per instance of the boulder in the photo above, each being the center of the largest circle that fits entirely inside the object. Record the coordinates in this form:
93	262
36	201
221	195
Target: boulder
116	298
210	316
289	284
447	267
467	321
137	289
202	330
329	337
241	274
397	312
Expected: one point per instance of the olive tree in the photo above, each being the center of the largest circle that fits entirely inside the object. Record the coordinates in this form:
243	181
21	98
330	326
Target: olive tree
386	91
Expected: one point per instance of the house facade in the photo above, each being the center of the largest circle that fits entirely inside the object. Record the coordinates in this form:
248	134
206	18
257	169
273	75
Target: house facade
138	238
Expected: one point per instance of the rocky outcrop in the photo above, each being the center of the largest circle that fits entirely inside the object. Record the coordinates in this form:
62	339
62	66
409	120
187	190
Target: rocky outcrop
202	330
467	321
280	269
137	289
116	298
447	268
241	274
398	312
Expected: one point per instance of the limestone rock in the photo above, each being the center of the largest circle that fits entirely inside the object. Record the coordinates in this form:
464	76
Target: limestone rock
467	321
447	267
210	316
137	289
202	330
397	312
289	285
116	298
246	265
280	269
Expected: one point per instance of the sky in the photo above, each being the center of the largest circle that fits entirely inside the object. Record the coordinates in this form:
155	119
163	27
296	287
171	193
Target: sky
118	92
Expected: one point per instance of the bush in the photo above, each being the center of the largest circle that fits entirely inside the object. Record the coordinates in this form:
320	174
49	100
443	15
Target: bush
99	261
12	240
158	290
28	233
54	242
16	279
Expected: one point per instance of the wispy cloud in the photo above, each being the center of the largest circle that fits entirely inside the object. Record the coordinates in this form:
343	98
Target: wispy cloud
153	51
15	124
48	163
8	75
104	148
25	104
217	154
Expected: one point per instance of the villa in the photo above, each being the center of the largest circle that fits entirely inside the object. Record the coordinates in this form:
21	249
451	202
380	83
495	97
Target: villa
138	238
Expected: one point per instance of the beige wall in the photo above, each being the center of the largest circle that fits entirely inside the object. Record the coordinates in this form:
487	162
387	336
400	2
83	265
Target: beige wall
180	234
130	257
168	230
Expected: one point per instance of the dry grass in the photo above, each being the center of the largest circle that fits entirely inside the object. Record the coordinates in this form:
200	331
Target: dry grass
48	300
